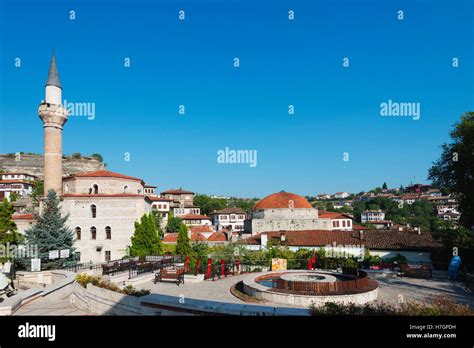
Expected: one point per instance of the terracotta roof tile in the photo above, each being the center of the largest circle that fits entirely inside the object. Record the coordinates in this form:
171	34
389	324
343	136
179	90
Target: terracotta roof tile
217	237
323	214
372	239
170	238
204	228
22	217
177	192
103	174
232	210
194	217
282	200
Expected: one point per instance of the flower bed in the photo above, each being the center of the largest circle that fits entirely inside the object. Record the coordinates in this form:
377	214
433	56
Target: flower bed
84	279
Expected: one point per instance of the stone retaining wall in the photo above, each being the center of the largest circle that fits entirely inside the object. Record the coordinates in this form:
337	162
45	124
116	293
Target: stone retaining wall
58	282
252	288
105	302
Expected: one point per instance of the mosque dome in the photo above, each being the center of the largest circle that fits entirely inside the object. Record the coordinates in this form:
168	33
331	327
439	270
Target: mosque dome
282	200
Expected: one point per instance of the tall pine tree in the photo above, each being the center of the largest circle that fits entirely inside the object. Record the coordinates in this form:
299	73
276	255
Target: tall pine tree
50	232
8	229
145	240
183	244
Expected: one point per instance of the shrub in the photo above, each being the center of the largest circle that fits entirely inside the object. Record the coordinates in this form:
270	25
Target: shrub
84	279
435	306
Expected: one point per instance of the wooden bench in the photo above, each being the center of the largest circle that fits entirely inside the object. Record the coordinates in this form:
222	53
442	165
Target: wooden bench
176	275
416	271
110	268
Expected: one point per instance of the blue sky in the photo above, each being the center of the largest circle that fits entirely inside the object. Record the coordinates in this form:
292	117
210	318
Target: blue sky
283	62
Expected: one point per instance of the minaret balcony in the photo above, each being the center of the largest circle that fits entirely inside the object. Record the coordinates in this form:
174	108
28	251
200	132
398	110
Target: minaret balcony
52	114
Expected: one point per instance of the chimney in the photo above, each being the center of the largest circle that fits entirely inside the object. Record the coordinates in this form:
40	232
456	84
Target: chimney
361	235
282	237
263	240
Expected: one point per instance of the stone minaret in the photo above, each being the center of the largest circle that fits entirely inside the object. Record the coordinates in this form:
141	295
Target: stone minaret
54	116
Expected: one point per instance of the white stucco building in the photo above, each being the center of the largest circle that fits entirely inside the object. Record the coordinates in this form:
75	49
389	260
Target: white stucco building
372	215
103	207
231	219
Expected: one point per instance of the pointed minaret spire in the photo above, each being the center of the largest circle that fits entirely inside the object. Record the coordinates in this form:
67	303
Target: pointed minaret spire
53	75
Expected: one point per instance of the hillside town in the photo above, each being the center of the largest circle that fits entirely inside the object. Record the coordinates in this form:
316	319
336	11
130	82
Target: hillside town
92	200
103	207
131	232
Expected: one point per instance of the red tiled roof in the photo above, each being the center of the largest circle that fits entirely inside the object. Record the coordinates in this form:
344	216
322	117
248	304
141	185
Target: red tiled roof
232	210
176	192
375	222
22	217
372	239
217	237
361	228
159	199
194	217
16	181
323	214
103	174
204	228
282	200
197	237
170	238
410	196
173	237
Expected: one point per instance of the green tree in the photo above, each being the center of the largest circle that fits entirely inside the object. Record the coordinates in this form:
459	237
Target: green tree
76	155
50	232
98	157
384	186
145	240
452	236
173	223
454	170
183	244
38	190
8	228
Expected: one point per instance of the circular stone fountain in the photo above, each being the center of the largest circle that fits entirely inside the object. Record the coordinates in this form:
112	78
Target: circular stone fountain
303	288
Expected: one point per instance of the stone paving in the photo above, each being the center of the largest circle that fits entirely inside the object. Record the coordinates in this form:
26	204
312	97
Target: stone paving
50	305
389	290
421	289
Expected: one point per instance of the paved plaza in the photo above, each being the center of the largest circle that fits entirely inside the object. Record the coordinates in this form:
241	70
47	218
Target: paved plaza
390	289
50	305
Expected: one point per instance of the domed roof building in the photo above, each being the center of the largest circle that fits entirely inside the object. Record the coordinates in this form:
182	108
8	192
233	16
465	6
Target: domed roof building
282	200
285	211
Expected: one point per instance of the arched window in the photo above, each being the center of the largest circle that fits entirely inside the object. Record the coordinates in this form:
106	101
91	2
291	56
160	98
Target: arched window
108	232
78	233
94	210
95	189
125	189
93	233
66	188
